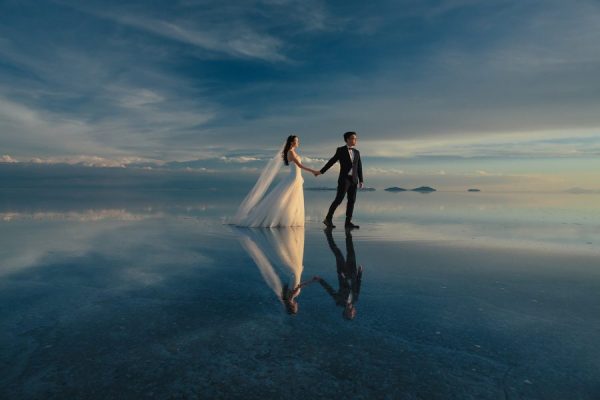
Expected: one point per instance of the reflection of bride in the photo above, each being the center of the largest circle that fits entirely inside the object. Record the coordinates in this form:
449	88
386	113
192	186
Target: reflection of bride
281	248
282	206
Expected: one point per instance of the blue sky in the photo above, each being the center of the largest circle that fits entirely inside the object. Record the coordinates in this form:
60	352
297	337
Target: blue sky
435	88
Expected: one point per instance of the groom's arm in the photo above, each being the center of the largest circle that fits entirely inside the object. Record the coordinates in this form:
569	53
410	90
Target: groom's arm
360	175
328	288
332	161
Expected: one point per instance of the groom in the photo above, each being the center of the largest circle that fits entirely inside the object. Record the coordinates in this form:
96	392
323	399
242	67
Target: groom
350	178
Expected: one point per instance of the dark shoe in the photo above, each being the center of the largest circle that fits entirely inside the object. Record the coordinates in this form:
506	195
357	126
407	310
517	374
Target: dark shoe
350	225
328	223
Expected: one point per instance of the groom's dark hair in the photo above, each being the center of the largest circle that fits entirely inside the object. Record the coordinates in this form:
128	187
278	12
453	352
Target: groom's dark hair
347	135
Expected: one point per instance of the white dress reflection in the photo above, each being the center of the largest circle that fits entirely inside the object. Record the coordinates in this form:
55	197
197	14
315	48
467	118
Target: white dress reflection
278	252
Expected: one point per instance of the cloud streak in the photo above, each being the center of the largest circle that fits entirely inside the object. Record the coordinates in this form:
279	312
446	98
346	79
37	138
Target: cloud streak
242	42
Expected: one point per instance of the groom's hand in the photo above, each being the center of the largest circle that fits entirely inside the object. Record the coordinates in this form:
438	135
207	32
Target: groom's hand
360	185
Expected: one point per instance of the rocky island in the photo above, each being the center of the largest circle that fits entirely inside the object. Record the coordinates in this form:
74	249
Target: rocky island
424	189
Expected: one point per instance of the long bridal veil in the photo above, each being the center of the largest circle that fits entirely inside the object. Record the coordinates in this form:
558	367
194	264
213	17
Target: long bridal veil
262	184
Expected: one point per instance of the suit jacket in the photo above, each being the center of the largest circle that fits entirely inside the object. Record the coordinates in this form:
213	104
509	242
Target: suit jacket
342	155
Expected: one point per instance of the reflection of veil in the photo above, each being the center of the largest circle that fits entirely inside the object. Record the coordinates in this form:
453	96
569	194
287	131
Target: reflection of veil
261	186
275	248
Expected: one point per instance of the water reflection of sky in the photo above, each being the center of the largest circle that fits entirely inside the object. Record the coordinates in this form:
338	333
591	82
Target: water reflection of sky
156	296
553	221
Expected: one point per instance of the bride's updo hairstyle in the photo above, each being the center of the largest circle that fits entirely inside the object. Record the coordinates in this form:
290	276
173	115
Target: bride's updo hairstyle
286	148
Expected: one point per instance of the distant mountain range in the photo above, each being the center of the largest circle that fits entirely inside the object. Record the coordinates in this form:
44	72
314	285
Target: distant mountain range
578	190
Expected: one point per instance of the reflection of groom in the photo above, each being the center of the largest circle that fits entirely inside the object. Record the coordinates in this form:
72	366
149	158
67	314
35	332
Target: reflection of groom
349	277
350	178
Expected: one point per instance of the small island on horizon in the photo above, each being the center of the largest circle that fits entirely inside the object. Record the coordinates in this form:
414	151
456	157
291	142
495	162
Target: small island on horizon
424	189
395	189
474	190
420	189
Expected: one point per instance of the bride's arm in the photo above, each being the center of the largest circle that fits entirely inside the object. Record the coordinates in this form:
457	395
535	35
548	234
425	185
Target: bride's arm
292	157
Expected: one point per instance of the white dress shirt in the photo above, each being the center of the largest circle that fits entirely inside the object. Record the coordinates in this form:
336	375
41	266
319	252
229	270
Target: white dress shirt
351	159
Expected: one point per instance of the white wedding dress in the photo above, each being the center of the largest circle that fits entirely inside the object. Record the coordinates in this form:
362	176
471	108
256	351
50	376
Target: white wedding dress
282	206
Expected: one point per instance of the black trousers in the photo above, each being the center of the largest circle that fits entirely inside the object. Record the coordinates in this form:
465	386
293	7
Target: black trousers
347	186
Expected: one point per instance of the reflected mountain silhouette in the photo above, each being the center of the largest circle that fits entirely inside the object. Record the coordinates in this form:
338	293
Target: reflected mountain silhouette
349	276
277	252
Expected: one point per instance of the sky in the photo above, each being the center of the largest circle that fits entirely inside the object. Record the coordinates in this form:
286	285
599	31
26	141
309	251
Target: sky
454	93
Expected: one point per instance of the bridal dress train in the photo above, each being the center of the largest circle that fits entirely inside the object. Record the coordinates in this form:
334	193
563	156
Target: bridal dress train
282	206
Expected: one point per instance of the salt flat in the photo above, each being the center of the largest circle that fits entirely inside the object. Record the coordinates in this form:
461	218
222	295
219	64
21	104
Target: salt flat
151	295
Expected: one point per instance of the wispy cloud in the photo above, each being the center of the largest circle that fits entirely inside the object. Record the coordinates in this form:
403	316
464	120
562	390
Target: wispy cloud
542	144
30	130
86	103
234	41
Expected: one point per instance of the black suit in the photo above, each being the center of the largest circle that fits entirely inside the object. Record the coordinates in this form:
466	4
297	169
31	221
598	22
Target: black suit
346	183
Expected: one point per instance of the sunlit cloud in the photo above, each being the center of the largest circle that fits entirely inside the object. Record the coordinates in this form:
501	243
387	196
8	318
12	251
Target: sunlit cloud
384	171
249	169
7	159
313	160
82	160
240	159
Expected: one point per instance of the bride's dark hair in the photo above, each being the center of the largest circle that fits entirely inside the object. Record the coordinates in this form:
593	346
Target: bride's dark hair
286	148
287	295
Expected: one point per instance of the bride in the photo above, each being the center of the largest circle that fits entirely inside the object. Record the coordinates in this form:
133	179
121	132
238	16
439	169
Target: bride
282	206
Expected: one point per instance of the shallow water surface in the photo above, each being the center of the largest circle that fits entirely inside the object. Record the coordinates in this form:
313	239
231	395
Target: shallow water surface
436	296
